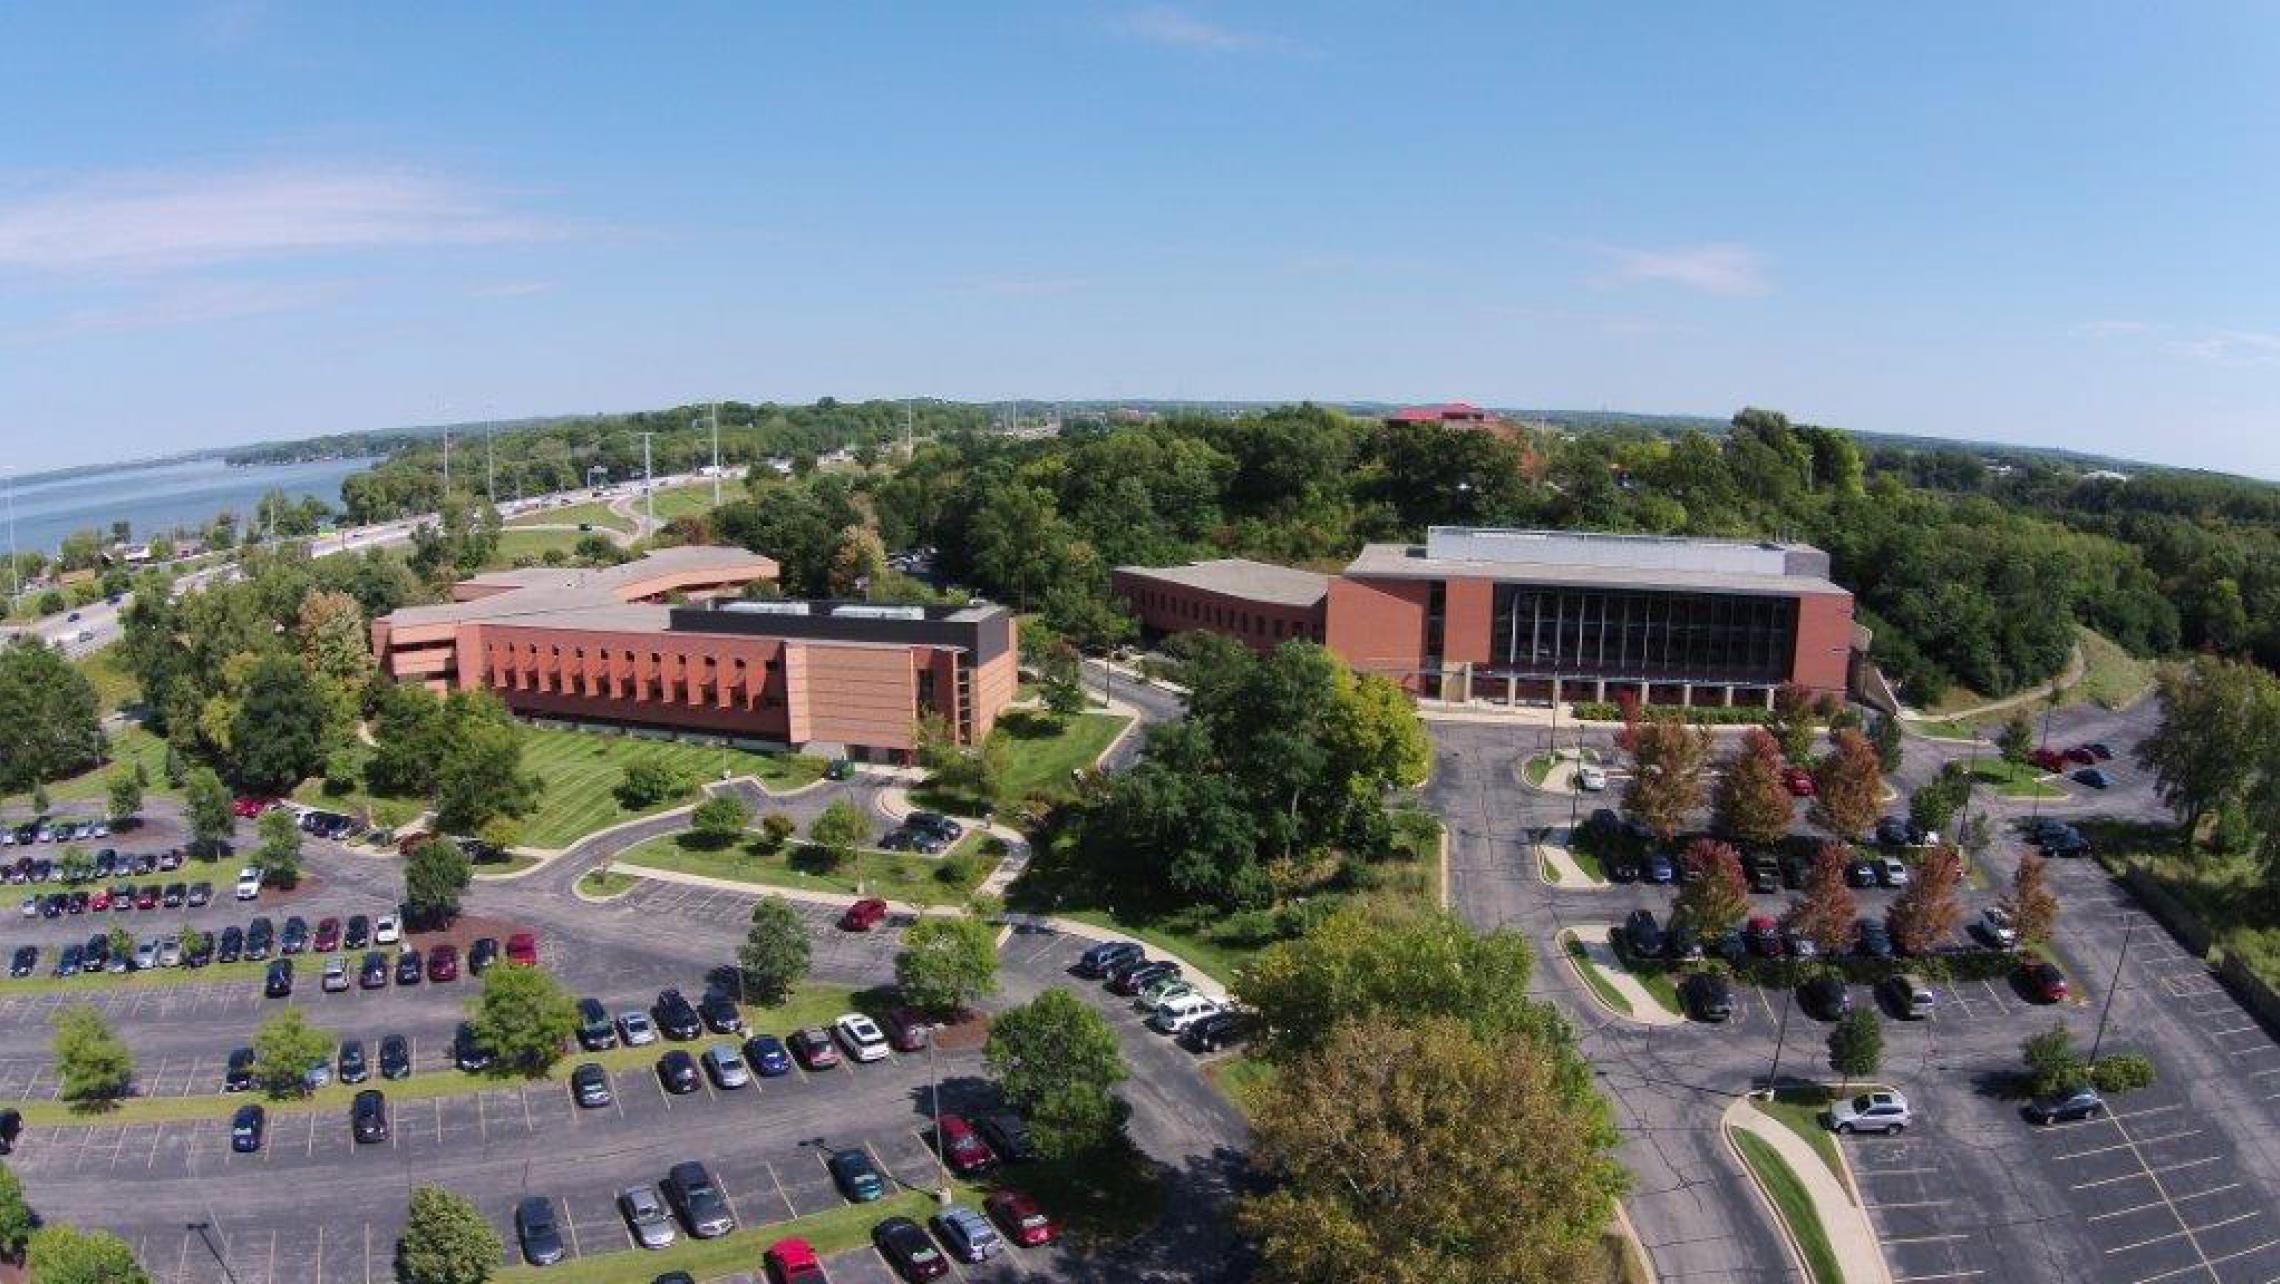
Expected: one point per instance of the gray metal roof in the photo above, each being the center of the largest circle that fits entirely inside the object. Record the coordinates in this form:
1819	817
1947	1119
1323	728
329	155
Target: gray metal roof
1238	577
1588	559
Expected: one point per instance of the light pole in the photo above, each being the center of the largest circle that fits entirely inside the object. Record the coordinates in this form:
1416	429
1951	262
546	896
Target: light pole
934	1101
1781	1035
205	1236
2106	1009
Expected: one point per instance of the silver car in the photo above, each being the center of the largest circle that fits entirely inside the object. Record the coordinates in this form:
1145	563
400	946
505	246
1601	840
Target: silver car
170	952
1879	1111
725	1066
647	1216
636	1028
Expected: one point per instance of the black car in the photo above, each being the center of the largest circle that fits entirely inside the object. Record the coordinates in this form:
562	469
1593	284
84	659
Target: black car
677	1070
1128	981
260	935
280	981
27	957
1765	874
720	1014
231	945
1892	831
11	1125
1641	934
1008	1135
174	895
238	1075
200	952
535	1226
1872	940
676	1017
1861	873
907	1248
482	954
368	1116
1825	997
697	1197
246	1127
352	1067
410	967
1211	1034
395	1057
296	936
590	1085
1708	997
373	975
468	1052
67	963
1096	961
2062	1107
595	1029
359	933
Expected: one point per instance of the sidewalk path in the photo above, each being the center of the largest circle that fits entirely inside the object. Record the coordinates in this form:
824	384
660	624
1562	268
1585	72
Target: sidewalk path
1860	1255
1598	955
1554	858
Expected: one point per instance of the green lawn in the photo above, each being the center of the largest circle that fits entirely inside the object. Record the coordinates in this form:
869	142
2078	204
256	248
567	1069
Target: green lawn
688	501
515	544
2013	780
1799	1107
592	512
114	686
1046	751
515	863
582	770
2111	676
605	884
1584	968
2225	890
1242	1079
1796	1208
130	744
42	983
894	875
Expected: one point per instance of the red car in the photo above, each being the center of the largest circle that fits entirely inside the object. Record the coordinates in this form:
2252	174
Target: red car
147	897
1763	936
2046	983
2081	756
2048	759
864	915
907	1030
522	948
792	1261
248	808
443	963
814	1048
328	935
1799	781
962	1148
101	900
1020	1218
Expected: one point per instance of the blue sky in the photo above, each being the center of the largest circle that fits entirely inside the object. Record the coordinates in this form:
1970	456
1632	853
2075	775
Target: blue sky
2047	223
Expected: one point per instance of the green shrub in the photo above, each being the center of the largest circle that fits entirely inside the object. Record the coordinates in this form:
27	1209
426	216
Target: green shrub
1708	715
955	871
2122	1072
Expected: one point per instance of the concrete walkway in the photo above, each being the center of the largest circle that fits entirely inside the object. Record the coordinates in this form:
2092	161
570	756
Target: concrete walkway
1600	957
2073	673
1553	857
1859	1253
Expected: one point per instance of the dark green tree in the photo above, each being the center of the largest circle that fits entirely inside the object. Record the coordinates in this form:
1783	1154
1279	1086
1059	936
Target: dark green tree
1856	1045
523	1017
278	738
435	877
50	719
1056	1059
947	963
93	1065
720	818
775	952
207	800
279	855
61	1254
17	1220
446	1241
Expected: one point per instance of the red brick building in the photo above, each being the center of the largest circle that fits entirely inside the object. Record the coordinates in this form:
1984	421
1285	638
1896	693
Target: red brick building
666	642
1530	615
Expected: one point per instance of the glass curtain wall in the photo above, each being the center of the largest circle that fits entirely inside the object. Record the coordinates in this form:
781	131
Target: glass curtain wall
1703	637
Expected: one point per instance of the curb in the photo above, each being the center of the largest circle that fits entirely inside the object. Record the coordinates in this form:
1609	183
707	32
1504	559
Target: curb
1765	1200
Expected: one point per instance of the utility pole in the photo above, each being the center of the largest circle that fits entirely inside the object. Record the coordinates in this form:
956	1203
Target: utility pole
490	471
716	453
2106	1009
15	567
1773	1075
648	491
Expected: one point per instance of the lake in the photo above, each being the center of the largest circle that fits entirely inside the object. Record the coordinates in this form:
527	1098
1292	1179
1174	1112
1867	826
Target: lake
158	497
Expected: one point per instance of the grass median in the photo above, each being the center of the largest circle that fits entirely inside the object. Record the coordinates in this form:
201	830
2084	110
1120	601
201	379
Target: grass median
1580	960
834	1230
926	880
93	983
1782	1186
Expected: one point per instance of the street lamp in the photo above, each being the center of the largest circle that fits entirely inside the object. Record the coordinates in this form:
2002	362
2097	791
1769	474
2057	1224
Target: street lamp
2106	1009
1781	1035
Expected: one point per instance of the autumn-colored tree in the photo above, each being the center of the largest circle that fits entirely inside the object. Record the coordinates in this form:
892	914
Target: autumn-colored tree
1751	803
1668	760
1715	898
1848	786
2033	909
1372	1164
1825	911
1791	721
1927	912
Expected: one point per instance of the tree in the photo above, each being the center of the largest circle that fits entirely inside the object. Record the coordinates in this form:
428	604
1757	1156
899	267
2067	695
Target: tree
1884	733
2030	903
858	563
1792	721
1716	898
335	648
1826	909
839	830
947	963
50	719
1668	761
410	731
776	829
67	1255
1372	1165
649	782
92	1064
1751	802
481	775
1056	1059
720	818
1856	1045
1848	787
775	952
1060	678
2054	1064
1937	800
435	877
126	799
523	1017
1926	911
446	1241
207	800
277	739
279	855
284	1049
17	1220
2216	726
2016	741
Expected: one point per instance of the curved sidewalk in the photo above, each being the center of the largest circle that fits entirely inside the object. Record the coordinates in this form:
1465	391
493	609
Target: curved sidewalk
1852	1236
1599	956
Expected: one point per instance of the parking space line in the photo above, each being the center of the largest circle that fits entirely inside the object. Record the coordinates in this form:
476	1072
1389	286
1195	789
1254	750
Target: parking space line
1916	1203
2126	1143
1926	1279
2209	1264
273	1257
2150	1172
320	1253
570	1220
789	1207
1925	1239
2173	1201
524	1093
2236	1029
2183	1231
726	1194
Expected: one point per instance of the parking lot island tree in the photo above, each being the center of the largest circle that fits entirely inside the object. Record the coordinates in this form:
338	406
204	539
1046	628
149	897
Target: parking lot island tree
207	800
523	1017
1370	1164
1825	909
285	1048
719	819
2016	742
1848	786
1750	803
776	829
775	952
1716	896
93	1065
1884	733
1668	762
1936	801
67	1255
278	855
17	1220
838	830
2054	1064
1056	1060
945	964
124	794
446	1241
435	877
1856	1045
2033	907
1793	721
1926	912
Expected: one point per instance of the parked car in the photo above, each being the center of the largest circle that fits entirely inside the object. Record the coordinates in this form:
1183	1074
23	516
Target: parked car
200	894
636	1029
27	957
908	1030
1211	1034
386	930
792	1261
538	1231
443	963
1130	978
2042	981
962	1148
908	1250
358	933
279	983
231	944
1590	778
336	975
718	1011
1660	869
966	1234
2065	1107
247	1127
482	954
1907	995
410	967
351	1065
1798	781
522	947
1642	934
1860	873
1019	1217
1763	937
2094	777
468	1052
647	1217
248	883
1008	1137
767	1056
1997	927
1872	941
856	1176
395	1057
814	1048
2048	759
373	972
677	1070
368	1116
699	1200
1891	871
861	1037
590	1085
1764	874
1881	1111
327	938
726	1069
1825	997
1097	960
1709	997
864	915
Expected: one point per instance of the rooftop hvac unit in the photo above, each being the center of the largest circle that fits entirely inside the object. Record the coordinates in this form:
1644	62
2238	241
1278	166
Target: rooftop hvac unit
879	612
762	607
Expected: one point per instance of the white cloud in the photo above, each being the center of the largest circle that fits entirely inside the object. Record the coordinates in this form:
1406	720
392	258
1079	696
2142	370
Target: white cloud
2112	329
1176	28
2228	348
158	221
189	303
1712	269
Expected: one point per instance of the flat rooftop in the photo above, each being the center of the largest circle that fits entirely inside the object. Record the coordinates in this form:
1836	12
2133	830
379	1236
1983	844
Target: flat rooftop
1239	577
1591	559
588	597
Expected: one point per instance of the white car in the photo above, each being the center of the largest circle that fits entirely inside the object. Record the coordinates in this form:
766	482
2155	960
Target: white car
386	931
1176	1015
1590	778
249	883
1157	993
861	1037
1996	924
31	907
336	975
170	952
1893	872
1881	1111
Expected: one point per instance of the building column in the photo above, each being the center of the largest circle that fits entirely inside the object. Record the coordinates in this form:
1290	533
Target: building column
1769	699
1511	692
1555	693
1685	695
1599	691
1729	695
1646	694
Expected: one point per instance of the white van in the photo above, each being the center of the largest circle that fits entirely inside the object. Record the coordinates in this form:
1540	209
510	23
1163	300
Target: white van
1178	1014
249	883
